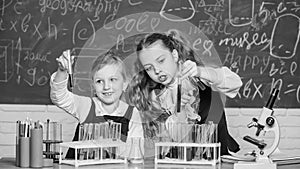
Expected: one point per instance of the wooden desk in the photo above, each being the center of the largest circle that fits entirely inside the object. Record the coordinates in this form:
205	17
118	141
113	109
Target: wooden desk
9	163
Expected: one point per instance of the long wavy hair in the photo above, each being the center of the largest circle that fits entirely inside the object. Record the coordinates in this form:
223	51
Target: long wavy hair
142	85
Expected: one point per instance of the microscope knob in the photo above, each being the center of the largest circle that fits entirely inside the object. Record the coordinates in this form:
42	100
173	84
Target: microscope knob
270	121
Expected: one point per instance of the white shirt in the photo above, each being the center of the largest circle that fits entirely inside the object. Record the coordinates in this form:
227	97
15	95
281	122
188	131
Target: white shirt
79	106
219	79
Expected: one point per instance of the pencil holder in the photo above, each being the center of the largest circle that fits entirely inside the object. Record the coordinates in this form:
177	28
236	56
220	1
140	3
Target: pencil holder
36	147
24	151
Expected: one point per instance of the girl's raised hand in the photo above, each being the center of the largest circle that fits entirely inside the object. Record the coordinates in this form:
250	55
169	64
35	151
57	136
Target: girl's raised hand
63	62
189	69
185	98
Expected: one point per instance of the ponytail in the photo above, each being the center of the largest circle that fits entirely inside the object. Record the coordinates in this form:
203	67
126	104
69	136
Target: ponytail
142	85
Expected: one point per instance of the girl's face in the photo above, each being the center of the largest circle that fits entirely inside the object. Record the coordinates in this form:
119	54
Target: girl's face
109	83
159	63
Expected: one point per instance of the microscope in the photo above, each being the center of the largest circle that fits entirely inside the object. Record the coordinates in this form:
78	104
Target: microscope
266	123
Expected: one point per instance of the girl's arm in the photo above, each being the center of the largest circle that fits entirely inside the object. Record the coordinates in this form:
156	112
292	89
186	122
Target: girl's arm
78	106
221	79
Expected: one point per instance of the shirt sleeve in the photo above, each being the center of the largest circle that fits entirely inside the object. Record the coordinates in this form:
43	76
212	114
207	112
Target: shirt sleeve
77	106
221	79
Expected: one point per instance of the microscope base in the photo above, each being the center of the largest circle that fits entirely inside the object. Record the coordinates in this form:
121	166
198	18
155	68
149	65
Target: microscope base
257	165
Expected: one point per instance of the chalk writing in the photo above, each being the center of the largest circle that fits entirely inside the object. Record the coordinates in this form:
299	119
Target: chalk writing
95	7
246	40
142	23
259	40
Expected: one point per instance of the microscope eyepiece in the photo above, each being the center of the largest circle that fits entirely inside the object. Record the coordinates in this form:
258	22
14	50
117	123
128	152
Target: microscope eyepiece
272	98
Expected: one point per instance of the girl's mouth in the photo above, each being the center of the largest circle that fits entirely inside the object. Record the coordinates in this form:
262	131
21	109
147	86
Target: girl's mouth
162	78
107	94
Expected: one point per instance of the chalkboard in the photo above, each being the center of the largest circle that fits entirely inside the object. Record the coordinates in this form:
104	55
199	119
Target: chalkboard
257	39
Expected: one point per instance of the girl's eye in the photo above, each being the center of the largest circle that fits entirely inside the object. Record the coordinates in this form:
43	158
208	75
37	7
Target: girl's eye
148	68
161	60
99	81
113	79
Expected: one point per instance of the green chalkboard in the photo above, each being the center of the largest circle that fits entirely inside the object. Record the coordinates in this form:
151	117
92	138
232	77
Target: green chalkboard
257	39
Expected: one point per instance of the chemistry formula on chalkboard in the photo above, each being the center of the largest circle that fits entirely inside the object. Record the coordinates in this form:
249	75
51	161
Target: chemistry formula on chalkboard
257	39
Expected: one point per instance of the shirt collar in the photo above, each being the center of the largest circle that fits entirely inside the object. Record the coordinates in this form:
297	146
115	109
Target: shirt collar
100	111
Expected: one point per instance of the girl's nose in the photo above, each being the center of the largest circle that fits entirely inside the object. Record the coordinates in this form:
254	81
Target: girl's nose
156	70
107	85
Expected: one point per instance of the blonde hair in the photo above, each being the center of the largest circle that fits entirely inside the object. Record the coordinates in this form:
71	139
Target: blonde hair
108	58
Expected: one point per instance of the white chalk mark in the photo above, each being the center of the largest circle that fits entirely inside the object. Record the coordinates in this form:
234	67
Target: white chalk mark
233	18
277	31
164	11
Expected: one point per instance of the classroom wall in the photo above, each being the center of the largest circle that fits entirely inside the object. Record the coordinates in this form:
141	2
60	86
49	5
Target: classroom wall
237	119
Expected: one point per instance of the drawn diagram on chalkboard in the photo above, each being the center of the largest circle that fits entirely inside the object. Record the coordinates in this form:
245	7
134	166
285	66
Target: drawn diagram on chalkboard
112	35
184	10
6	62
240	16
283	42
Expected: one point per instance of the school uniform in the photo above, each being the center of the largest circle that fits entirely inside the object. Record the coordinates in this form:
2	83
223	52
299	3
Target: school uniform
92	118
90	110
207	103
211	108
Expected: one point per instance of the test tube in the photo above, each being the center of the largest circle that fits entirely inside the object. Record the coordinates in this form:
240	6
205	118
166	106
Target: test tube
170	130
54	129
85	138
97	139
113	127
162	137
188	129
90	136
180	136
104	129
179	88
80	138
197	132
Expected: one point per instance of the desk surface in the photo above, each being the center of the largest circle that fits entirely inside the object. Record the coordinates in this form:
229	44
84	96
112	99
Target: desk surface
9	163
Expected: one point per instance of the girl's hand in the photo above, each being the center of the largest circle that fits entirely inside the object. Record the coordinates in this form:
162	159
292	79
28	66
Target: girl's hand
186	98
189	69
62	61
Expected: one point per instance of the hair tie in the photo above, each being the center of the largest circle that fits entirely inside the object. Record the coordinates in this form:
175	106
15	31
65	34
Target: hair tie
171	38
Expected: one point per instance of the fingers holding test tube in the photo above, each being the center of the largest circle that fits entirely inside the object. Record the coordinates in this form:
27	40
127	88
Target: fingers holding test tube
190	70
65	62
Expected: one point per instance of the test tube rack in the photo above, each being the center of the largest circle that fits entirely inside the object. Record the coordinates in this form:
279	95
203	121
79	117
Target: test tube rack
51	154
213	150
100	145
